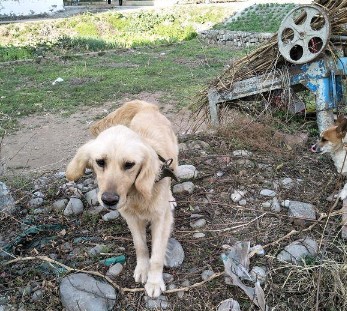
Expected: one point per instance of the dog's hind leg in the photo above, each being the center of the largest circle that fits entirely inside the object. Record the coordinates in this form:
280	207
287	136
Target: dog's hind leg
344	219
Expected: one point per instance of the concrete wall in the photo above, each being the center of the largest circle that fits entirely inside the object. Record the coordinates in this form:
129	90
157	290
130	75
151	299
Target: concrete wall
29	7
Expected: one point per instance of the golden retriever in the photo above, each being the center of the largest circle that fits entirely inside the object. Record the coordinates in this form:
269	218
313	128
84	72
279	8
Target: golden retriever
127	157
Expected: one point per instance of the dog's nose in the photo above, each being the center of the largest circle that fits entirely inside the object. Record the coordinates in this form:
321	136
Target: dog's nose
110	198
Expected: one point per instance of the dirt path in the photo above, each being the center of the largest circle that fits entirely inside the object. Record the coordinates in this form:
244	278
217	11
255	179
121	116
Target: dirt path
48	142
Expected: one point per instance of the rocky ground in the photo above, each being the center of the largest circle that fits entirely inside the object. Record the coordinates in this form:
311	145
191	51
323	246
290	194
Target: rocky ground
253	194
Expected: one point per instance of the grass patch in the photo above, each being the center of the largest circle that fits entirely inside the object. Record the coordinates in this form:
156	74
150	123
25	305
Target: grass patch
259	18
107	30
176	70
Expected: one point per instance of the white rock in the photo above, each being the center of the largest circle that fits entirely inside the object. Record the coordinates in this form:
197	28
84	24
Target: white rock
174	254
301	210
285	203
186	172
35	202
242	153
183	188
229	305
237	195
110	216
267	193
160	303
168	278
296	251
74	207
275	206
80	291
266	204
185	283
199	223
242	202
59	205
92	197
258	274
199	235
96	250
287	183
206	274
114	270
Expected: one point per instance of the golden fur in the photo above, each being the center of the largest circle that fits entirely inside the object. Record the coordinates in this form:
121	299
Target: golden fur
124	157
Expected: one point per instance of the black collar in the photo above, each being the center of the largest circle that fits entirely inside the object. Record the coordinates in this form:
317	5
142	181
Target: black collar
166	170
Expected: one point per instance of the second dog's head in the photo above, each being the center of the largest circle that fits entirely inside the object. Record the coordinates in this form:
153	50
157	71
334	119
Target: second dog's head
331	138
122	162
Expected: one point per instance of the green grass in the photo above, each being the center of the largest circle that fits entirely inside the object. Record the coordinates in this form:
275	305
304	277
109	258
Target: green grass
259	18
108	30
176	71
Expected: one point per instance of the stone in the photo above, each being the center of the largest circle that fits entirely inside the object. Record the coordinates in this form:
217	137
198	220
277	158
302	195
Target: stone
110	216
186	172
60	205
35	202
74	207
59	175
38	194
266	204
183	188
206	274
168	278
258	274
242	153
197	223
80	291
174	254
37	295
267	193
242	202
287	183
92	197
199	235
114	270
285	203
296	251
160	303
229	305
185	283
275	205
237	195
301	210
96	250
7	203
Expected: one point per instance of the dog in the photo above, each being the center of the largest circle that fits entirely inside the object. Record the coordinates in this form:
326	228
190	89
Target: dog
134	156
332	141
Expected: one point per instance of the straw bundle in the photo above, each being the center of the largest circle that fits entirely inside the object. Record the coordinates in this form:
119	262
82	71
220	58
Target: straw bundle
267	57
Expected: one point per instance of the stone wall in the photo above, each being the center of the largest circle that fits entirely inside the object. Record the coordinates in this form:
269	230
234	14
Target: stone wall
238	39
13	8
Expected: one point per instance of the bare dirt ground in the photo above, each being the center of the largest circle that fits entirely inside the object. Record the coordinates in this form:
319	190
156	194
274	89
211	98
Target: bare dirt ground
47	142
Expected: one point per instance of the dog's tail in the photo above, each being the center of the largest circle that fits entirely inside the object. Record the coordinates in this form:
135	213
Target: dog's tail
122	115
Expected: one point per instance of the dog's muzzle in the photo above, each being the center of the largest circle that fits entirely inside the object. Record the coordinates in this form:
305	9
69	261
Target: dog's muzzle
315	148
110	199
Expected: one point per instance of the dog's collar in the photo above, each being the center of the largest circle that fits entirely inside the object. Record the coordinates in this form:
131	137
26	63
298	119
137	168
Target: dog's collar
166	170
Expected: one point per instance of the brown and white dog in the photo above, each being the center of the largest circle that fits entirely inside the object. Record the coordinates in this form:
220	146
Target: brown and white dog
127	157
333	140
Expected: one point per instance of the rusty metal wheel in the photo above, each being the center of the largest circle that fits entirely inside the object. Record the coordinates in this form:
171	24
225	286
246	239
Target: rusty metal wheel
303	34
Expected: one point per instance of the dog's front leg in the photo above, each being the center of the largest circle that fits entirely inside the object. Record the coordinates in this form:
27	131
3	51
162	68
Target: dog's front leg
161	229
138	232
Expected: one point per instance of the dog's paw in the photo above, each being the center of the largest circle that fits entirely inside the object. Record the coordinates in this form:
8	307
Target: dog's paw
141	272
154	289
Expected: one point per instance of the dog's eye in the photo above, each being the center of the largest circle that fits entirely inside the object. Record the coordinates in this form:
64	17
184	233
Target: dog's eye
100	162
323	140
128	165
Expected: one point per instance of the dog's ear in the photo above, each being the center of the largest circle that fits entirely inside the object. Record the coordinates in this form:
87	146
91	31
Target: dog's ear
80	161
148	172
341	129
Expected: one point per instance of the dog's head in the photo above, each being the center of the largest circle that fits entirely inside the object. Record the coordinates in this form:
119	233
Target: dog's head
123	165
331	138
